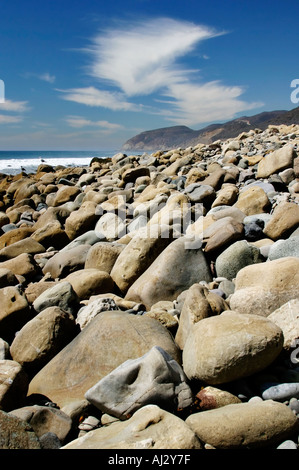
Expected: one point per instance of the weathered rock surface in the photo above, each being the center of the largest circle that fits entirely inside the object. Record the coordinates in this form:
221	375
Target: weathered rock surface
230	346
154	378
244	425
178	267
149	428
108	340
264	287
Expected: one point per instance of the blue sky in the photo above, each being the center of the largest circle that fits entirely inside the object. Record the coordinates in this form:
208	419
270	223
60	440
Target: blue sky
91	74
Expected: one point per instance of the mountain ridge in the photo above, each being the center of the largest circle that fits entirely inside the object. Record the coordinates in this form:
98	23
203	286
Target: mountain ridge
166	138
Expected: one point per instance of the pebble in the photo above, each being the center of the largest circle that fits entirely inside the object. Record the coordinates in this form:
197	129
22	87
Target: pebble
221	283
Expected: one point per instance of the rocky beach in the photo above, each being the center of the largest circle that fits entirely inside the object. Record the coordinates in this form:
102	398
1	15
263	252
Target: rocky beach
151	301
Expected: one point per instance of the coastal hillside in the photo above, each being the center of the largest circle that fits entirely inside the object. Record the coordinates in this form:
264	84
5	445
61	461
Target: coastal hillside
182	136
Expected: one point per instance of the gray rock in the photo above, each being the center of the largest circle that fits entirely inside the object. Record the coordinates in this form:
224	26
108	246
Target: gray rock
179	266
61	295
155	378
235	257
88	238
284	248
294	405
63	264
287	445
201	193
281	392
49	440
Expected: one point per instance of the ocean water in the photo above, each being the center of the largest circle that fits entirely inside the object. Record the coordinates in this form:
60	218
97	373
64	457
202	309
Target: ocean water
13	162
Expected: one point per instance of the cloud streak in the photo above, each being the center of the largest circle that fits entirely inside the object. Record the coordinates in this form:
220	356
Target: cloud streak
80	122
143	61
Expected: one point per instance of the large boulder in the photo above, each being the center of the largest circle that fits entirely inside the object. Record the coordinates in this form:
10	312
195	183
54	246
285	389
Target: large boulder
13	385
64	263
235	257
154	378
179	266
139	254
199	303
276	161
149	428
88	282
103	255
42	338
28	245
61	295
230	346
107	341
284	220
14	312
262	288
244	425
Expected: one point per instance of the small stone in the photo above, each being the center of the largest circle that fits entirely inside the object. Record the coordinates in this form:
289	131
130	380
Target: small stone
287	445
281	392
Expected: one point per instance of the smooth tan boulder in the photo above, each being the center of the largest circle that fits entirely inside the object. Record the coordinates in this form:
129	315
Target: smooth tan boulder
253	201
22	265
283	222
15	235
230	346
42	338
139	254
264	287
149	428
88	282
226	196
287	318
13	385
66	193
14	311
179	266
28	245
221	233
81	220
51	234
245	425
64	263
276	161
106	342
199	303
103	255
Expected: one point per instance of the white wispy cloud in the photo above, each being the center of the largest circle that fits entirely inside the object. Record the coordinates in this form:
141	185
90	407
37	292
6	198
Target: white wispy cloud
80	122
45	77
193	103
143	60
14	106
91	96
6	119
